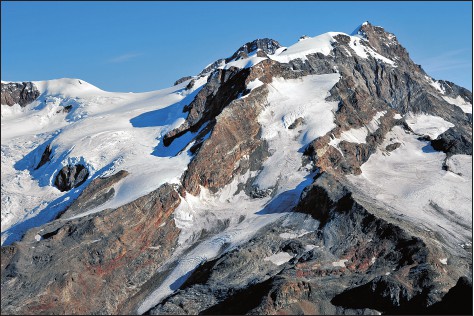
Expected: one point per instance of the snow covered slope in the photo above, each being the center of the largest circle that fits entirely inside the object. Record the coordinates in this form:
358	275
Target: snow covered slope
105	131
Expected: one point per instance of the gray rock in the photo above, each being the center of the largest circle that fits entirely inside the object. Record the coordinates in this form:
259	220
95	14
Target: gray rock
19	93
71	176
181	80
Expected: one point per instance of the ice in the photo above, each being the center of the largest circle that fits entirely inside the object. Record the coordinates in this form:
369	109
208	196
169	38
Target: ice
428	125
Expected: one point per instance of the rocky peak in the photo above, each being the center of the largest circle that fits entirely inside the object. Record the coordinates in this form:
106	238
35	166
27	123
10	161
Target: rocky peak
269	46
382	41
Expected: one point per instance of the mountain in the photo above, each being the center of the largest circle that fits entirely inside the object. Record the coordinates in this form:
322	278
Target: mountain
329	177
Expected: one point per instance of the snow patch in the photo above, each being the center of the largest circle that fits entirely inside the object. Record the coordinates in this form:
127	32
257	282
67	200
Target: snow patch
340	263
279	258
311	45
443	261
310	247
245	62
460	102
428	125
254	84
358	135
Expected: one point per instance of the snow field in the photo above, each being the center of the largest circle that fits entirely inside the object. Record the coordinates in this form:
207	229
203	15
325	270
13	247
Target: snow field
411	182
105	131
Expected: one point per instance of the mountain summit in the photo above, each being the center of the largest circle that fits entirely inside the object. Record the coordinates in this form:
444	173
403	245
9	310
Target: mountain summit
332	176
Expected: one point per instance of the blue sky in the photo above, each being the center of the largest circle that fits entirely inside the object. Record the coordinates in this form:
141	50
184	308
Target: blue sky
143	46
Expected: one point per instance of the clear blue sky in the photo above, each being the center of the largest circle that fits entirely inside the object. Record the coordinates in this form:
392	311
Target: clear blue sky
143	46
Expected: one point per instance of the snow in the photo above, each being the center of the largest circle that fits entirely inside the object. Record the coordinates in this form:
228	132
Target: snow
245	62
459	101
68	87
287	100
359	47
444	261
459	164
428	125
311	45
323	44
358	135
411	183
435	84
293	235
397	116
310	247
105	131
254	84
340	263
279	258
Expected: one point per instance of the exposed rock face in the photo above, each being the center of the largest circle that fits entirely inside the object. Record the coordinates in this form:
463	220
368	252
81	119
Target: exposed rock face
45	156
453	142
108	260
266	45
70	177
19	93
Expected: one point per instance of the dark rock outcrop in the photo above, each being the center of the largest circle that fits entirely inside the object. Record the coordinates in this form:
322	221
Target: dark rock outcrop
105	263
453	142
267	45
45	156
181	80
71	176
99	191
19	93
